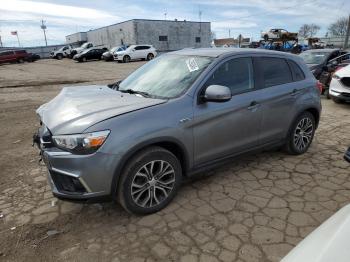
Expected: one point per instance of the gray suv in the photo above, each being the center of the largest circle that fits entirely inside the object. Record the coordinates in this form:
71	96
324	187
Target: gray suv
183	112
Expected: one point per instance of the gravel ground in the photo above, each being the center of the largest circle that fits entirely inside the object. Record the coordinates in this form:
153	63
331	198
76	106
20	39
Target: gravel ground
255	208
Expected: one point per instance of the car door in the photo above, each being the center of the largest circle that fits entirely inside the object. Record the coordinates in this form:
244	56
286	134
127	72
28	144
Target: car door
278	99
90	54
222	129
138	53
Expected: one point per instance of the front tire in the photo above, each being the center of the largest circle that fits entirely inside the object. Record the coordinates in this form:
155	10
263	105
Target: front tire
150	56
126	59
59	56
301	134
149	181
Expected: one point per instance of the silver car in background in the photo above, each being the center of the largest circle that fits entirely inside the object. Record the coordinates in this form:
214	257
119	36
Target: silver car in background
179	114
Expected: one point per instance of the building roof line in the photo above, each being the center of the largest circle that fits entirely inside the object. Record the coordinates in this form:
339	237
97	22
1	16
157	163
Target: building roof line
155	20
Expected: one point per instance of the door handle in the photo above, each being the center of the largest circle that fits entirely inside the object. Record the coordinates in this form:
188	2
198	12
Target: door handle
253	105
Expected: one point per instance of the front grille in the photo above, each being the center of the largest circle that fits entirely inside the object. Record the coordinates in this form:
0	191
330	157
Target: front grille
346	81
66	183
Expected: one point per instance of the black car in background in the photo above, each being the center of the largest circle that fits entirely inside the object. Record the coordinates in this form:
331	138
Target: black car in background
318	59
90	54
347	155
319	63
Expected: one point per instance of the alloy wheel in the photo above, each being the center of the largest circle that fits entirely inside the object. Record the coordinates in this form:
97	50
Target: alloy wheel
303	133
153	183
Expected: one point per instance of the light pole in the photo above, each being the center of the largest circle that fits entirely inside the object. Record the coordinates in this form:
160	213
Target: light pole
347	34
43	27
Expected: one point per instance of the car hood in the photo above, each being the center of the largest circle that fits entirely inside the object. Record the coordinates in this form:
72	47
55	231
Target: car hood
344	72
75	109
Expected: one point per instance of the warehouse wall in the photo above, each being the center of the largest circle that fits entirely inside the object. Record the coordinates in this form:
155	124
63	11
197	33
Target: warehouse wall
180	34
79	37
113	35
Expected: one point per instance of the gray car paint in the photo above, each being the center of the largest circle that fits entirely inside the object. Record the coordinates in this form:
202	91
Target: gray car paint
76	108
204	131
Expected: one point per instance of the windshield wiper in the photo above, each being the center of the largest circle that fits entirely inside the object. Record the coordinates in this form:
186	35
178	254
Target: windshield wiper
131	91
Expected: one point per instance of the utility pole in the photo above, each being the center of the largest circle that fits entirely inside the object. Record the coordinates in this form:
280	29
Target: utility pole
229	33
43	27
165	14
346	42
1	42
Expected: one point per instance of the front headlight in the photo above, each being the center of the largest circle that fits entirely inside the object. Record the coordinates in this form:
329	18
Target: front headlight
82	144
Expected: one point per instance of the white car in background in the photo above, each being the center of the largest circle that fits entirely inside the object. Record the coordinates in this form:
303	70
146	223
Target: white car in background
62	52
136	52
339	88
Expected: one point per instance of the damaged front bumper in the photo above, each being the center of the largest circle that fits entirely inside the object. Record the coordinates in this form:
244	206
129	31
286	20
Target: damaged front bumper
75	177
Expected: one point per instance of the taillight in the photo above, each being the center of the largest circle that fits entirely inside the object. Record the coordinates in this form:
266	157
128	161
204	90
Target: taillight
319	86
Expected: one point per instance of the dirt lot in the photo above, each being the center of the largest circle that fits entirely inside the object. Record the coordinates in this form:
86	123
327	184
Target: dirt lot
254	209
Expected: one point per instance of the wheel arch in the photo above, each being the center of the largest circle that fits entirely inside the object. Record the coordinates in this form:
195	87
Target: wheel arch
315	112
171	144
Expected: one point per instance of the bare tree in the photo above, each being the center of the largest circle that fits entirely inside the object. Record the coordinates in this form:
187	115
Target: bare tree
308	30
339	27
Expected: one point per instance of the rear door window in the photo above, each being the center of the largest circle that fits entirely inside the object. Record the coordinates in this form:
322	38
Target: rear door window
275	71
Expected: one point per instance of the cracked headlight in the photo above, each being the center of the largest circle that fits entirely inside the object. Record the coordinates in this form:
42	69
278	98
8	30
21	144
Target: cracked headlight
82	144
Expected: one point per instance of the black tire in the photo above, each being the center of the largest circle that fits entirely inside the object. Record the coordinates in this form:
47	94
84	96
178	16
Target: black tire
150	56
84	59
295	134
59	56
20	61
126	59
131	176
266	38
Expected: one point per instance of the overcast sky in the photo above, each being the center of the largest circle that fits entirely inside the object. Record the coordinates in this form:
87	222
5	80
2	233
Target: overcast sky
248	17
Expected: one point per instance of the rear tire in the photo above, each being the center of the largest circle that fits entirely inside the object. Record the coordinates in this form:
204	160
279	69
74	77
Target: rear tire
20	61
301	134
149	181
150	56
59	56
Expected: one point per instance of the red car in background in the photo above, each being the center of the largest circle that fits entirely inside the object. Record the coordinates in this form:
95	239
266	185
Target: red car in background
19	56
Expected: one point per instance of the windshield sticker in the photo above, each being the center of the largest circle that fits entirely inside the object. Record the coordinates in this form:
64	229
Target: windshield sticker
192	65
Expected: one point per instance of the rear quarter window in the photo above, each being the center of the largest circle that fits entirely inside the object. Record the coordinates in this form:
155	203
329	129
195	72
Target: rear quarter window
275	71
298	74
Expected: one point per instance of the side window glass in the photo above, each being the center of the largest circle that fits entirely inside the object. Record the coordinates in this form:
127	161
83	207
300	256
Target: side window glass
298	74
138	48
237	74
275	71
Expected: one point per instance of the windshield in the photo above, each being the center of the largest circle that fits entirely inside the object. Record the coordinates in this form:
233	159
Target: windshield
167	76
84	45
314	57
117	48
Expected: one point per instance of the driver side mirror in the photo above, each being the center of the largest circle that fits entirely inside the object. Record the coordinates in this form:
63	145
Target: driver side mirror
217	93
